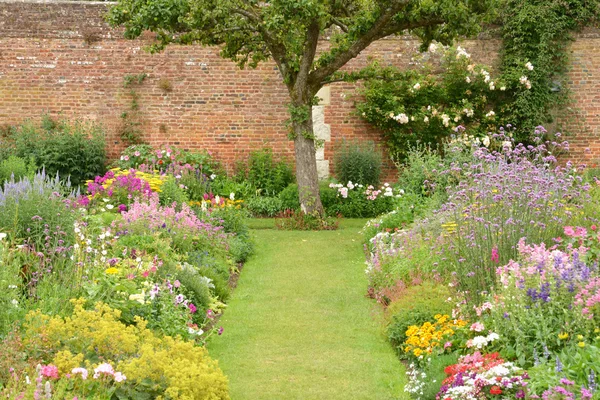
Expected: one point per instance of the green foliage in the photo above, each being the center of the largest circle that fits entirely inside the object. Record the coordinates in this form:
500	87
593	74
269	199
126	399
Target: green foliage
429	102
358	162
268	176
415	305
289	197
17	167
223	186
73	150
264	206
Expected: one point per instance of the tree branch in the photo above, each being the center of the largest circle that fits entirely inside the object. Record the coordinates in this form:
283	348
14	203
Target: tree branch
339	23
361	43
380	29
310	51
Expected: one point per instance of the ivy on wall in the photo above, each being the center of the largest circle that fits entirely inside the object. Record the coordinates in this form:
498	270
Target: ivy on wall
539	31
426	104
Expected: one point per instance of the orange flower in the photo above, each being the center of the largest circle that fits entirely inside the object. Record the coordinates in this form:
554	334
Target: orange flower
495	390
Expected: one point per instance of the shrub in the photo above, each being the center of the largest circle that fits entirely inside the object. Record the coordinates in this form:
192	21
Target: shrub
289	197
17	167
415	306
224	186
152	366
264	206
268	176
171	191
73	150
358	162
359	201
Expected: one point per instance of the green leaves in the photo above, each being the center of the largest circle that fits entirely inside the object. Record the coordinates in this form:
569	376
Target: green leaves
539	32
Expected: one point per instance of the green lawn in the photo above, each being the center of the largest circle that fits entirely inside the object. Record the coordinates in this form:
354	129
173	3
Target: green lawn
299	326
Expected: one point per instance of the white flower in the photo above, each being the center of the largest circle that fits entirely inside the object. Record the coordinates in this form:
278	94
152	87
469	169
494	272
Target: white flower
445	120
15	302
502	88
523	80
468	112
2	235
417	86
110	206
105	200
232	196
490	114
492	86
12	286
486	141
468	79
213	176
460	52
402	118
426	119
119	377
432	48
529	66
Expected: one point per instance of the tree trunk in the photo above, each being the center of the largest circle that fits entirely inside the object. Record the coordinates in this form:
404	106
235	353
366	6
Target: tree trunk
306	167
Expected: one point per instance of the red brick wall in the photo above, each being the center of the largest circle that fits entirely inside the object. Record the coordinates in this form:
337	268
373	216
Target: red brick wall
46	66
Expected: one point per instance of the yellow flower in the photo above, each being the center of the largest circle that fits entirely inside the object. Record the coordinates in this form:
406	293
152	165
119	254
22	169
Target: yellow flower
581	344
563	336
580	337
597	330
111	271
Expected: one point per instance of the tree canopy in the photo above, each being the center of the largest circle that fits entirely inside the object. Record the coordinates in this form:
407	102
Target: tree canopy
289	32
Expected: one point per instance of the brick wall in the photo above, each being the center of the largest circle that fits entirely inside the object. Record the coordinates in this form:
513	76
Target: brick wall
63	60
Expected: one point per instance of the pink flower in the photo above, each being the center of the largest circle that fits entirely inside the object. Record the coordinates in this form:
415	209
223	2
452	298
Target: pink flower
49	371
192	308
137	154
477	327
447	344
177	283
495	256
569	231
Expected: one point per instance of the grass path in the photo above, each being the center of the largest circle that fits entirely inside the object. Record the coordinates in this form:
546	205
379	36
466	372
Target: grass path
299	326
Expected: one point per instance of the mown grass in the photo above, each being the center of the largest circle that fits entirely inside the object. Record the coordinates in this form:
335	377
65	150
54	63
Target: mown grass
299	325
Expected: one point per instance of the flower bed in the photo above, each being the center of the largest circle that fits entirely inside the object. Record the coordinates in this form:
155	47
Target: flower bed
113	293
516	244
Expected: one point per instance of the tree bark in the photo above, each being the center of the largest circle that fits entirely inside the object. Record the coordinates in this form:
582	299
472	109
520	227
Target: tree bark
306	167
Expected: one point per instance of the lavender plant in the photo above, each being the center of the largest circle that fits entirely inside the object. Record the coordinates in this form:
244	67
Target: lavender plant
30	209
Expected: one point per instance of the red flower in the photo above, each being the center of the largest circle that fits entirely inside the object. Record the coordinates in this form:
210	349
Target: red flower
593	227
495	390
